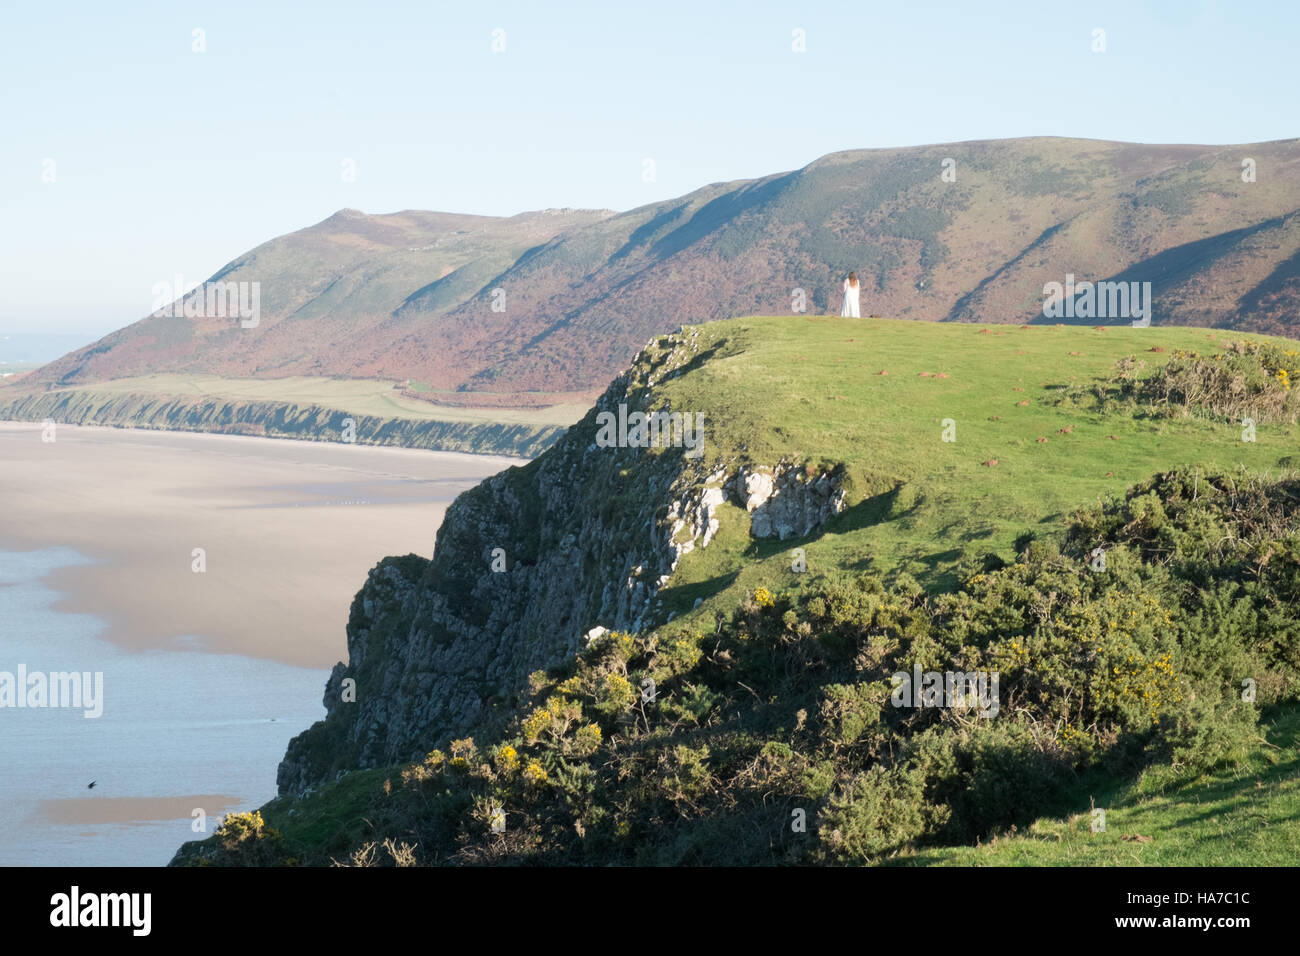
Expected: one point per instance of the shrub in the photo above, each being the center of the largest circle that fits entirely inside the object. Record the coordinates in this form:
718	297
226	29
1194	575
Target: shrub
787	703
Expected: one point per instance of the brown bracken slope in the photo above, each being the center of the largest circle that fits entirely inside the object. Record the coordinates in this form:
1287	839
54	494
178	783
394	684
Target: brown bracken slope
411	295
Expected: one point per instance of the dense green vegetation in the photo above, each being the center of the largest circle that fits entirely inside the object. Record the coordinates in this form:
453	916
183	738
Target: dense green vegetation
1105	544
1243	813
1246	380
785	711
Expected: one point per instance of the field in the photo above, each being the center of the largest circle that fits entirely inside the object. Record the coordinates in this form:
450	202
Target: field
313	409
924	504
356	396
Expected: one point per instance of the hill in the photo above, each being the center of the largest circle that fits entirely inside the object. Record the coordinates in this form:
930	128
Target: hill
635	654
411	296
324	293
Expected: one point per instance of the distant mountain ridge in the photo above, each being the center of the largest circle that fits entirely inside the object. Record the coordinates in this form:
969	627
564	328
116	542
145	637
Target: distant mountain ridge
558	301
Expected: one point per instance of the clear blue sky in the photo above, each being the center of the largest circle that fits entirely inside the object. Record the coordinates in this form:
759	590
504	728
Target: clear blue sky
169	161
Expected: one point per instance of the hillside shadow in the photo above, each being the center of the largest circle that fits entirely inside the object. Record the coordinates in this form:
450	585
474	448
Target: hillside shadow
936	558
663	239
1172	267
961	309
871	511
1195	800
936	572
681	598
1273	284
701	358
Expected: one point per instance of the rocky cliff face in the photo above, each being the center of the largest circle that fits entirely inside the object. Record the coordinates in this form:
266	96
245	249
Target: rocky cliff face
524	566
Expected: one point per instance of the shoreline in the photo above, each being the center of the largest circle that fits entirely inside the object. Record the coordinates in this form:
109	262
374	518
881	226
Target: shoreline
258	417
180	737
507	460
287	528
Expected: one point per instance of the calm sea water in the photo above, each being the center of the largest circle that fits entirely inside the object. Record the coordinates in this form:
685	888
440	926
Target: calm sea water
175	725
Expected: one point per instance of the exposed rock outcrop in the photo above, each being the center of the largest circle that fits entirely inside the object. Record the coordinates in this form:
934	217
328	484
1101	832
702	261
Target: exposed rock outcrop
524	566
785	501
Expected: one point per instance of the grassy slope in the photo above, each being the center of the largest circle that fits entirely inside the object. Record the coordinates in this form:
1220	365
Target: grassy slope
1243	815
822	373
807	388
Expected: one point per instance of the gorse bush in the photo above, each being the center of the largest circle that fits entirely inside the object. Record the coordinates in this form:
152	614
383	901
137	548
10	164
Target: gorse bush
776	736
1246	379
246	840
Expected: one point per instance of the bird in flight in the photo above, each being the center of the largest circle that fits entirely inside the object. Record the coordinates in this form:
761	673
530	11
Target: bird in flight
91	785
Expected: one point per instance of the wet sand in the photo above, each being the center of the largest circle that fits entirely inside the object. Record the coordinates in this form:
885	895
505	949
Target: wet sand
72	811
288	530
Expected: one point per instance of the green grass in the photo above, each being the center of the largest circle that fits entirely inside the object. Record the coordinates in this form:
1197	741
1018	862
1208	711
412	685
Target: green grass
919	504
333	816
1246	814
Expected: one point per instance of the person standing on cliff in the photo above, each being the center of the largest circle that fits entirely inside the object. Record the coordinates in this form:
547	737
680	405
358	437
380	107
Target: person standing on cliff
851	289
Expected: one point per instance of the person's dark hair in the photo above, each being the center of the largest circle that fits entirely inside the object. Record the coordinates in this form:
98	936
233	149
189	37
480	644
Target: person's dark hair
853	278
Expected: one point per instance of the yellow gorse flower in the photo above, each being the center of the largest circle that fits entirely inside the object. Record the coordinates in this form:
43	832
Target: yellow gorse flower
507	758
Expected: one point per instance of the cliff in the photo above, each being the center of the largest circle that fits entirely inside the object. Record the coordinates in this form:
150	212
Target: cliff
622	654
528	564
268	419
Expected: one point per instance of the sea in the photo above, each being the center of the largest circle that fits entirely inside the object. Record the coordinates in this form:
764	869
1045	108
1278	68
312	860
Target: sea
183	738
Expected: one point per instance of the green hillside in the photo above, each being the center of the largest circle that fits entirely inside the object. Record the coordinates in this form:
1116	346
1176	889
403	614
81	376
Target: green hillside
810	389
1121	685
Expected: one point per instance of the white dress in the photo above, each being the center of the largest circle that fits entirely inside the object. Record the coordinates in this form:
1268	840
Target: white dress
850	309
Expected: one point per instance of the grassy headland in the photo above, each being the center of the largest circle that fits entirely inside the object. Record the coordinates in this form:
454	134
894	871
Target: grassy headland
984	466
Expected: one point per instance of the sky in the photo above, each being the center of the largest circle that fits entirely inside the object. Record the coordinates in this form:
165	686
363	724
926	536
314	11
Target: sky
133	149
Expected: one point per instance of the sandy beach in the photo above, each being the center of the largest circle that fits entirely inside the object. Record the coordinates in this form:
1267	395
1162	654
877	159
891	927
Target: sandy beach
288	530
